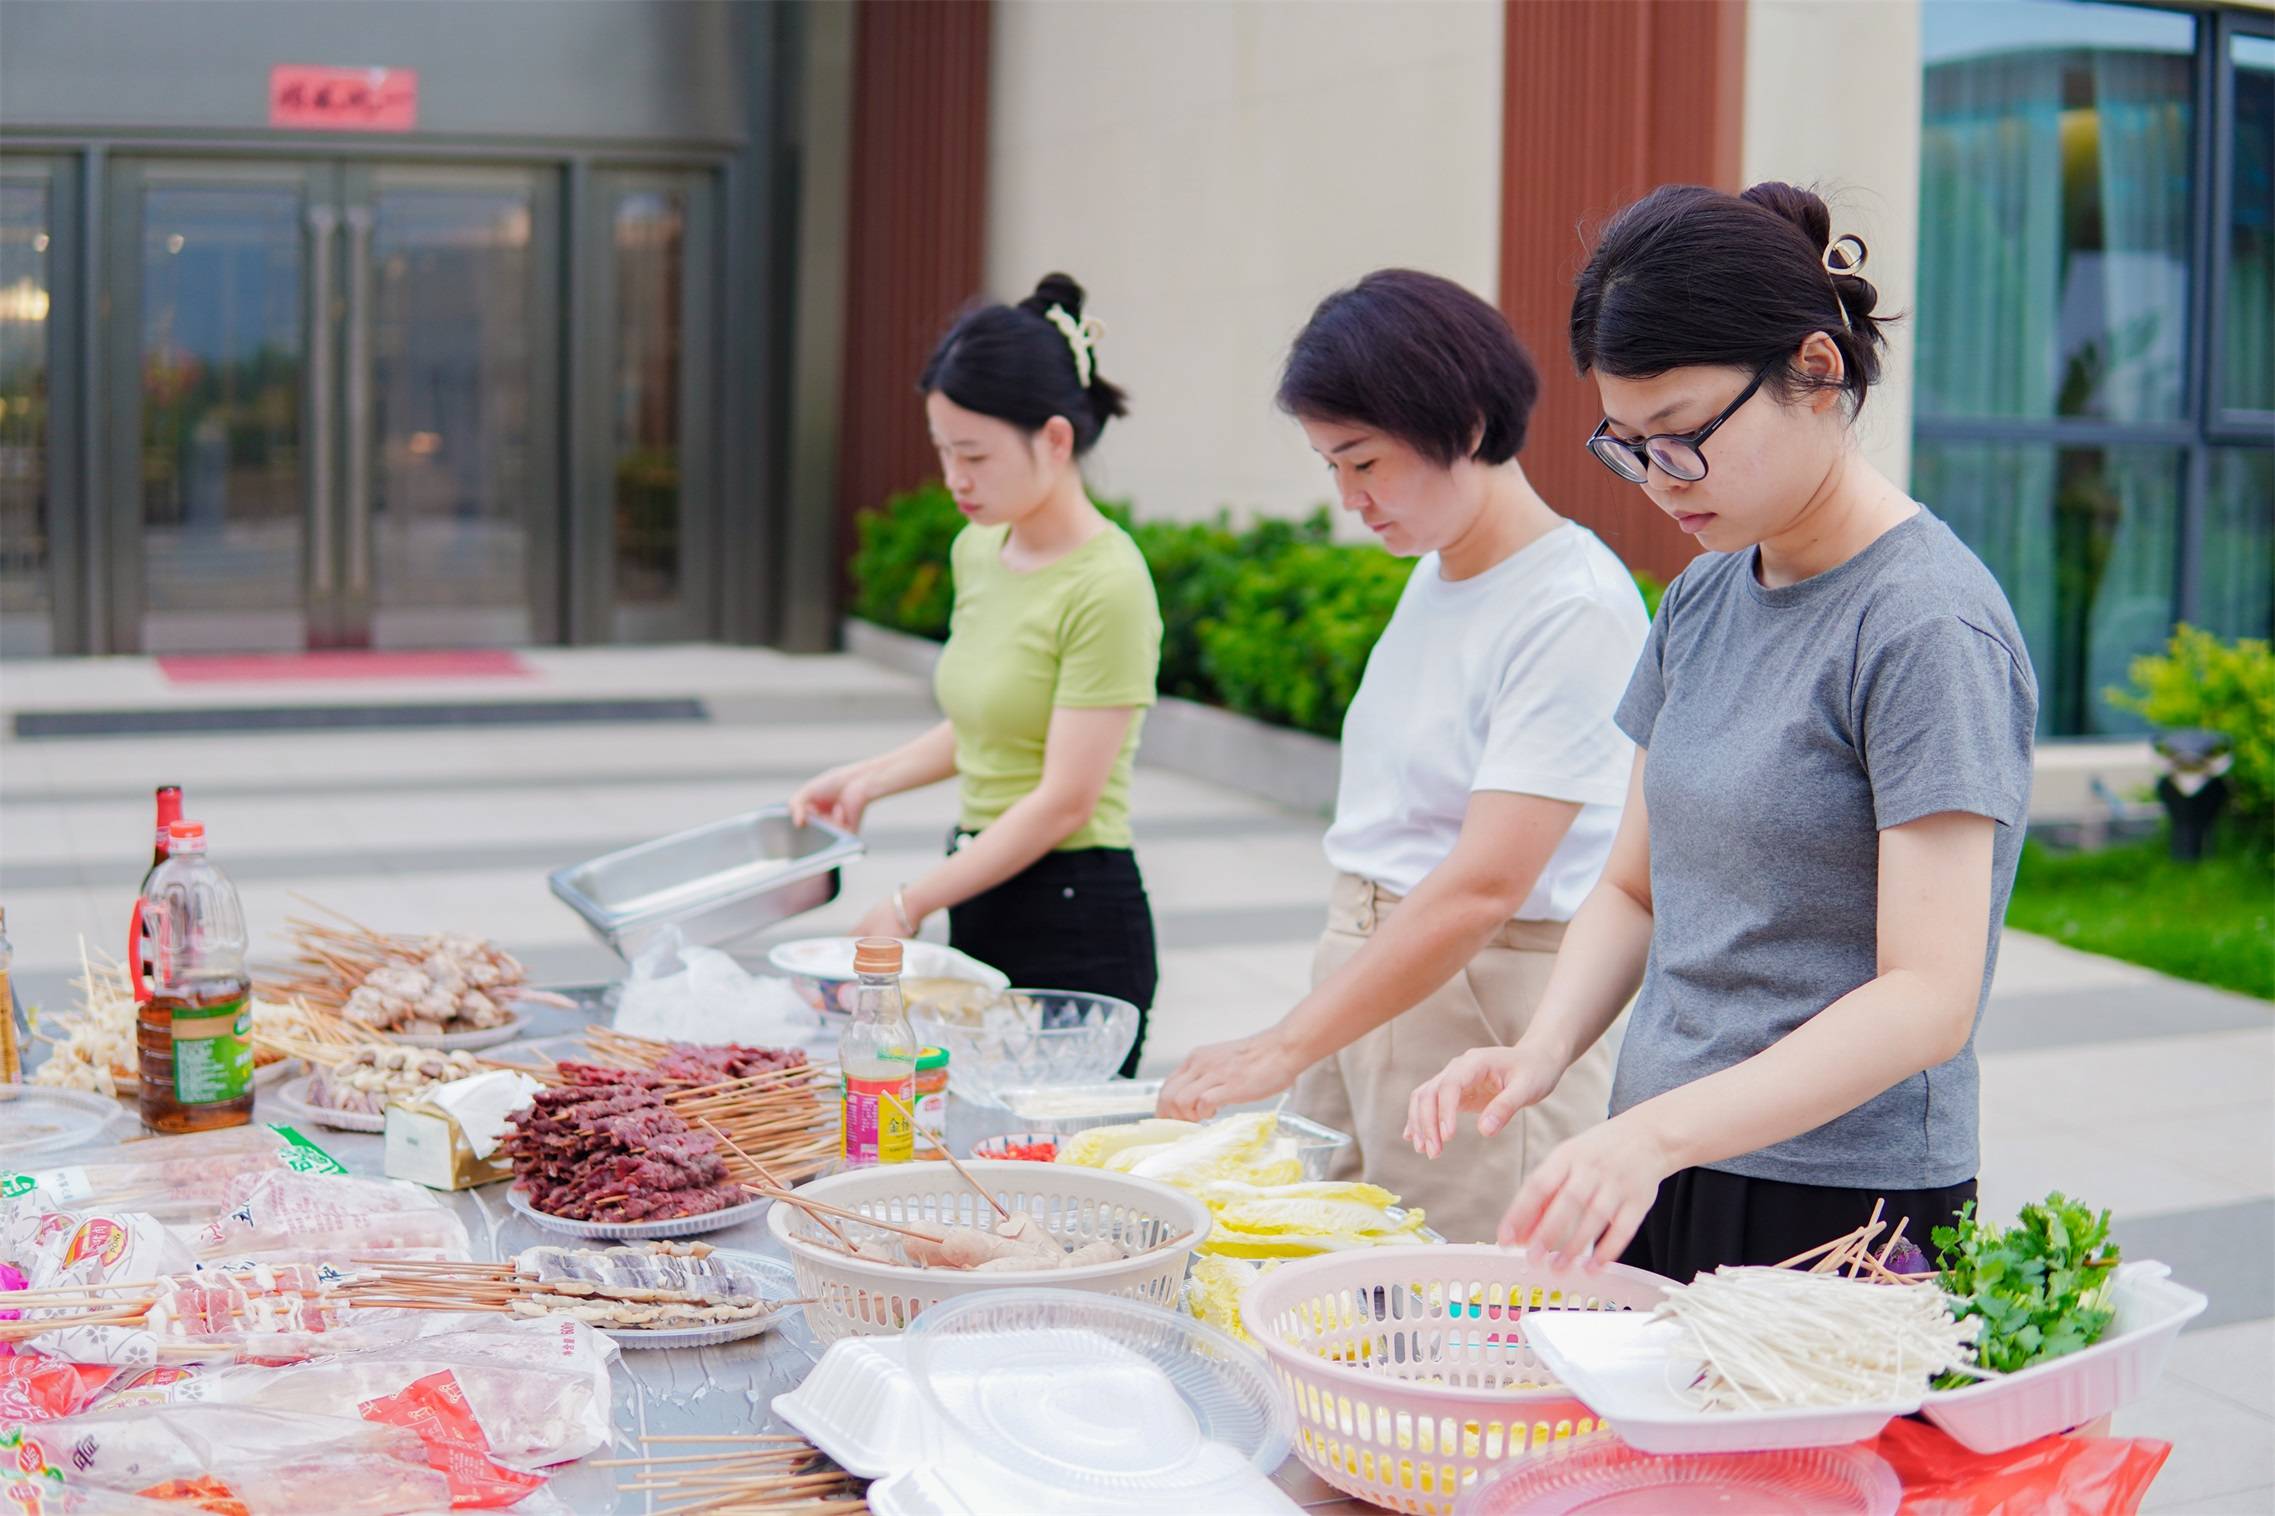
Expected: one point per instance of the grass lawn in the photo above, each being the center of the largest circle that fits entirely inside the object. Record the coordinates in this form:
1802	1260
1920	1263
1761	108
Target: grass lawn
2213	921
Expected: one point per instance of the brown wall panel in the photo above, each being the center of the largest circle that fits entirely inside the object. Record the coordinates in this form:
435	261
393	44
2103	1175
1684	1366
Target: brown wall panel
916	234
1603	100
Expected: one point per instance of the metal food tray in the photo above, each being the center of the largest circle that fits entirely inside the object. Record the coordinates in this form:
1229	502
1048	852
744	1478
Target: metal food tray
716	883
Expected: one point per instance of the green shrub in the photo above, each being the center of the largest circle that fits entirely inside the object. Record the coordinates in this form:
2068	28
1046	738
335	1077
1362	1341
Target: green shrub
1293	636
1274	620
900	569
2227	687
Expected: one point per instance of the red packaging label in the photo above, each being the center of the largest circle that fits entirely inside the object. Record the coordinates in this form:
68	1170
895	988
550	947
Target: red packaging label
435	1407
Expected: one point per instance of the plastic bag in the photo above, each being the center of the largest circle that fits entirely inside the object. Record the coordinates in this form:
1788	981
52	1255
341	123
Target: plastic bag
267	1314
177	1179
678	993
527	1392
42	1389
278	1213
259	1462
2054	1476
95	1246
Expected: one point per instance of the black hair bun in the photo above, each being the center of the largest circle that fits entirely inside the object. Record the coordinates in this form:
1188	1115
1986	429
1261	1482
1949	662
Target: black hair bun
1807	211
1060	290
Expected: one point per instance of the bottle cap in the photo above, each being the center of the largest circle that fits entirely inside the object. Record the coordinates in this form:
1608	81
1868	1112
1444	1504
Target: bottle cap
185	837
877	955
931	1058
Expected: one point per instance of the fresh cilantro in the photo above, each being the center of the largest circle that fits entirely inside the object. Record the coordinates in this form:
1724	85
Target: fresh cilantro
2041	1286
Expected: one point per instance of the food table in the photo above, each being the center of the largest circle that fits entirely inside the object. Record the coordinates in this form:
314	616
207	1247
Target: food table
723	1389
728	1390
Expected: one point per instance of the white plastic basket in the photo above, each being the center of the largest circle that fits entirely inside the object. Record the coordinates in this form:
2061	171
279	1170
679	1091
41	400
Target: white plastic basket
867	1298
2070	1391
1408	1367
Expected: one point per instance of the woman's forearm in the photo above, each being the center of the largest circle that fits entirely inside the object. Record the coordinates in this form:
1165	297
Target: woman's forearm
1869	1040
1424	942
913	765
1598	969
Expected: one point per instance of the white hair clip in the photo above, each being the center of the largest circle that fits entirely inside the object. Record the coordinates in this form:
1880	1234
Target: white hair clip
1082	337
1844	258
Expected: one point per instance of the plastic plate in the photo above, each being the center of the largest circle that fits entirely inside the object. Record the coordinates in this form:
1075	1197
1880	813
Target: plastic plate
676	1226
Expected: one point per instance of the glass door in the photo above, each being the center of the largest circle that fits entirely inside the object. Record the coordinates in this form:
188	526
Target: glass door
334	403
451	378
223	309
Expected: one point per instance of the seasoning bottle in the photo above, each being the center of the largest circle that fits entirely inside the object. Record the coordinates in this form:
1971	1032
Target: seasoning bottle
876	1051
932	1095
169	798
194	1021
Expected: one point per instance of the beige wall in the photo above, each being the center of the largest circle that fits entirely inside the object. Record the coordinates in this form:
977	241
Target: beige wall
1208	170
1833	100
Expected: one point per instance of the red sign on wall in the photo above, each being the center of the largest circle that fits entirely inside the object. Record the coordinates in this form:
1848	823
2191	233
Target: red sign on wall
308	98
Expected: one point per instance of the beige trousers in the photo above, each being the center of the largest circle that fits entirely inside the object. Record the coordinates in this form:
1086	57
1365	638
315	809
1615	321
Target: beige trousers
1364	1088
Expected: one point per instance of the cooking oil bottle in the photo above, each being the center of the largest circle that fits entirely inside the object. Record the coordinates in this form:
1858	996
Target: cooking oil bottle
193	1035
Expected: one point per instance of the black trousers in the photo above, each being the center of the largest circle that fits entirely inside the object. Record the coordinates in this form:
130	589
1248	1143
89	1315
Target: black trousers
1705	1218
1075	920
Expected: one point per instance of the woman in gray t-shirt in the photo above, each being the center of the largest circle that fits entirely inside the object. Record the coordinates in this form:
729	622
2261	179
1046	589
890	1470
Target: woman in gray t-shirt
1835	710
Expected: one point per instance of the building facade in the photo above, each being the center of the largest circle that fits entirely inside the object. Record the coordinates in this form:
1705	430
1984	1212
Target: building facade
573	323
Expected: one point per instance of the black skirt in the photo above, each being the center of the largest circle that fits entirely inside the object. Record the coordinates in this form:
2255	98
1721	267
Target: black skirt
1704	1218
1073	920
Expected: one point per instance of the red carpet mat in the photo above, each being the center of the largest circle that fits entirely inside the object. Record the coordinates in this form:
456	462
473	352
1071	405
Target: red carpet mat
345	666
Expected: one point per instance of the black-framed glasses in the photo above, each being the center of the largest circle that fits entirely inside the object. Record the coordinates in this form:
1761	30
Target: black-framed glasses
1680	455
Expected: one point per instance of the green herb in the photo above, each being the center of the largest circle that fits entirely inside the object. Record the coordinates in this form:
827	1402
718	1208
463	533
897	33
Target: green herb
2041	1287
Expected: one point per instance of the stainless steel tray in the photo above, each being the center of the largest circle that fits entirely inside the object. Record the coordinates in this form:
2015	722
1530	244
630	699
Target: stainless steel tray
715	883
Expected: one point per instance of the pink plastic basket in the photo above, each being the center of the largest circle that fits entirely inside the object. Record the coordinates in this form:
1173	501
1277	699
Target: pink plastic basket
1408	1367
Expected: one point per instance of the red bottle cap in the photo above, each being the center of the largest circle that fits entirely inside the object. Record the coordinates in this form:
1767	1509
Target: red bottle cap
186	837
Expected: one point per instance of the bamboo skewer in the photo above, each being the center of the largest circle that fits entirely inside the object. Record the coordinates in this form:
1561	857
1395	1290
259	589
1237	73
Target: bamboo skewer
942	1150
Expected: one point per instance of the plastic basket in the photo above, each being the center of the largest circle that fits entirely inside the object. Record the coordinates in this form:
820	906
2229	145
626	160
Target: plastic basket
869	1298
2070	1391
1408	1368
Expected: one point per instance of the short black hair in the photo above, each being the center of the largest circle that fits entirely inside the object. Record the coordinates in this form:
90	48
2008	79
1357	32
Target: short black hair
1419	358
1013	362
1690	276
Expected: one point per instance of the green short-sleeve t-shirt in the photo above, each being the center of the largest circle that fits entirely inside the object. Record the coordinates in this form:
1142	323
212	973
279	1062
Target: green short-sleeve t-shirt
1083	631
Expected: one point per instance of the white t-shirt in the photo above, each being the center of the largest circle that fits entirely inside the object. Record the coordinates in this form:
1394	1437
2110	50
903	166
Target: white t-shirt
1504	681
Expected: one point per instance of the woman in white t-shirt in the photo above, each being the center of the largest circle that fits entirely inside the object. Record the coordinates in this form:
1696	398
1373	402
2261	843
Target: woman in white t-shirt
1482	773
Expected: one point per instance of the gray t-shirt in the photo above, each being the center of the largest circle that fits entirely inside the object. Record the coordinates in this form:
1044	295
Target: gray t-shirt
1785	727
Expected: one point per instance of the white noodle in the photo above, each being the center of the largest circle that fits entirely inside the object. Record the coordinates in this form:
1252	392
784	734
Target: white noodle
1771	1338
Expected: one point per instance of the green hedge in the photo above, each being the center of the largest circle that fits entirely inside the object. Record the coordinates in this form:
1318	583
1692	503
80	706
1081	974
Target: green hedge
1274	620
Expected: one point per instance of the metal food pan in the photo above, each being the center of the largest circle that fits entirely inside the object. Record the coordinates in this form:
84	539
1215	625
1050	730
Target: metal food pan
716	883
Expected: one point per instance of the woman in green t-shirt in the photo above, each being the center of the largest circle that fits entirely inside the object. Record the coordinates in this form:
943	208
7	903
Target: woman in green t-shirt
1052	650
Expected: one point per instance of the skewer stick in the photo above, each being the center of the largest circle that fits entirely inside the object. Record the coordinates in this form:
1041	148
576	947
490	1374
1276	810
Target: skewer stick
811	1206
826	1224
942	1149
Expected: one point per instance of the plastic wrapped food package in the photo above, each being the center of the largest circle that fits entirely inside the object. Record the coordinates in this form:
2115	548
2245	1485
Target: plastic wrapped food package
282	1212
257	1314
263	1461
51	1247
531	1392
175	1178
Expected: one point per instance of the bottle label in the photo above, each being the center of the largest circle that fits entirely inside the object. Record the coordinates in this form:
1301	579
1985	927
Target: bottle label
932	1115
875	1124
213	1051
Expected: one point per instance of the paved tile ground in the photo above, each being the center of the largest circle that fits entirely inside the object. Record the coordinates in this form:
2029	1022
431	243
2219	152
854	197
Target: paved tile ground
2139	1092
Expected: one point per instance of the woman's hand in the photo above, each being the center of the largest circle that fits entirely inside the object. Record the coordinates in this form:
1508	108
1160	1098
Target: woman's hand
1229	1073
1495	1082
838	797
884	920
1586	1201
